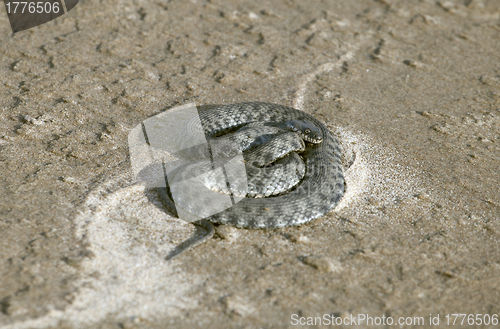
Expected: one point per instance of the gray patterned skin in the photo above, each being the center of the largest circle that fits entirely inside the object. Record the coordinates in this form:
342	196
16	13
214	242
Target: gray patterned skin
281	177
272	165
306	130
274	149
285	174
248	137
319	191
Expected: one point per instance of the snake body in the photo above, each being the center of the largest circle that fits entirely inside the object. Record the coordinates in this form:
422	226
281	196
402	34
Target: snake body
317	191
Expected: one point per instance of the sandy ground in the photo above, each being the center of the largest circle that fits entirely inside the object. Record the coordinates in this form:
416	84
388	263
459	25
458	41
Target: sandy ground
411	88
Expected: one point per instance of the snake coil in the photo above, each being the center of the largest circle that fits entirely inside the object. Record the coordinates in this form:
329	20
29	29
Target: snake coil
317	193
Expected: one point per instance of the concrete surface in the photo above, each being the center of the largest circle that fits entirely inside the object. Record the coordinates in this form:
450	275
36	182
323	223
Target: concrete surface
411	88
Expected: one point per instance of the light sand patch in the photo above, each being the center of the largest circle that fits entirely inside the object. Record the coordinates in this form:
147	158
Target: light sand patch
298	102
372	173
128	276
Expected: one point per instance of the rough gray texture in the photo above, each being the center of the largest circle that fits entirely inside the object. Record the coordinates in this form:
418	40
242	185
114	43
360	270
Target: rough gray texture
414	100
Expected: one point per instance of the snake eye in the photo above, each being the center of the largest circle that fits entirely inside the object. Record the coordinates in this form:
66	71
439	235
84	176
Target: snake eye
308	131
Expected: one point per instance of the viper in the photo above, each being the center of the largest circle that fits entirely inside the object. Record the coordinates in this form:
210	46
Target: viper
257	130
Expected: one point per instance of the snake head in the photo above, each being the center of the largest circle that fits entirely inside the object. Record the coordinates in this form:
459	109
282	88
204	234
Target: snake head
306	129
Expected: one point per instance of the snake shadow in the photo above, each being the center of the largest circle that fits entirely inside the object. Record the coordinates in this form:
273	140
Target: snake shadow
204	229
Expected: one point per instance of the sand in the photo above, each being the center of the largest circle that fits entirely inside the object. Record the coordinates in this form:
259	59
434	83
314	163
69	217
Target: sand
410	88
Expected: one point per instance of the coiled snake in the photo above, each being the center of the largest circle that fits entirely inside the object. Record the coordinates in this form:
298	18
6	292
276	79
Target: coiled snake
319	191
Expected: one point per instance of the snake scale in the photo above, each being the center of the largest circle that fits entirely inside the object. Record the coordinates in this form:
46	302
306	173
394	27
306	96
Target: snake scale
319	191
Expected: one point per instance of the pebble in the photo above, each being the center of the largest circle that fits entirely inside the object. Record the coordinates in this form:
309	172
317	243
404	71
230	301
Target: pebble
323	264
237	305
229	233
